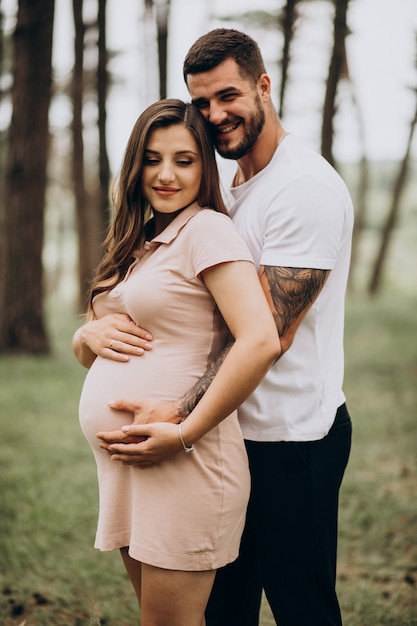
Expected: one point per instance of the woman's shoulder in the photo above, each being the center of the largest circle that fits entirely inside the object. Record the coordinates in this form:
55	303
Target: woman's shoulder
213	224
207	216
207	212
217	232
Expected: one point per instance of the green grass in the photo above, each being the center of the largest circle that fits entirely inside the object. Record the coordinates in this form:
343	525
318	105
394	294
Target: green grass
51	575
378	547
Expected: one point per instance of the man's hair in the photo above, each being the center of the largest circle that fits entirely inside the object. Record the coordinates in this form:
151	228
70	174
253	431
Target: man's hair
220	44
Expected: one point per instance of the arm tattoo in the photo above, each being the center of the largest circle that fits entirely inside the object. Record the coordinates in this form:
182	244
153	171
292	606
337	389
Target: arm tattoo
194	395
293	290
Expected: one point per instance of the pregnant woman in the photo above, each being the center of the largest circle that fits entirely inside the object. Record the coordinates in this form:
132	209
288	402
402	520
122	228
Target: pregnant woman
174	264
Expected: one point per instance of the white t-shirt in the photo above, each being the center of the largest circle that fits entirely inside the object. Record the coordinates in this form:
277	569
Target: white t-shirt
297	212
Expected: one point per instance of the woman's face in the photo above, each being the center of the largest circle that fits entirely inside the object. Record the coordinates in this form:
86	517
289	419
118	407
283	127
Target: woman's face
172	170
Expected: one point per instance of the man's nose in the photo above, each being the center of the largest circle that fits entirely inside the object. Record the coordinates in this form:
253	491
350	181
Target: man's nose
216	113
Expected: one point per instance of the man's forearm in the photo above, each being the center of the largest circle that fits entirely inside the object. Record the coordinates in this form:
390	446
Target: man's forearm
190	400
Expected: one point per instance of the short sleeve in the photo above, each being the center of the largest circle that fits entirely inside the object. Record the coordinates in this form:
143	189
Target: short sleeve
214	239
309	233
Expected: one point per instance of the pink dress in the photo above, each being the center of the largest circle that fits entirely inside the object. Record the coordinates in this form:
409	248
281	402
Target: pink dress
188	512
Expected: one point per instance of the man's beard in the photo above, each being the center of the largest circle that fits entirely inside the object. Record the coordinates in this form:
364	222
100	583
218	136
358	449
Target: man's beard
254	129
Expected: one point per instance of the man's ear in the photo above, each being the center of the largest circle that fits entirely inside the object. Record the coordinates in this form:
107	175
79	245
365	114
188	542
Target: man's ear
264	86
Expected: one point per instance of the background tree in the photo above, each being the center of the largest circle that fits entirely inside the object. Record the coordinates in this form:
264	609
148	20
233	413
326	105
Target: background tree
156	27
102	89
82	200
1	96
162	21
337	67
394	212
22	325
6	61
1	45
287	23
91	200
285	29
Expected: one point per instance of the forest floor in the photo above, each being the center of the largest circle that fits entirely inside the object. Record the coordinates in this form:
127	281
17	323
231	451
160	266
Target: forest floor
50	575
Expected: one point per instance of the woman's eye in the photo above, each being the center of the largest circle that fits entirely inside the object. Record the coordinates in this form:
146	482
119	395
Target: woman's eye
184	162
150	161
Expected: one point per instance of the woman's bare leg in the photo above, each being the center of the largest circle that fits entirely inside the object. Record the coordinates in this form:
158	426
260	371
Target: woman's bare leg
174	598
134	570
169	597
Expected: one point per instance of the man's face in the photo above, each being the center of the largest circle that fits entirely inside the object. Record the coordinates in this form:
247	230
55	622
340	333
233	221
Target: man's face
232	106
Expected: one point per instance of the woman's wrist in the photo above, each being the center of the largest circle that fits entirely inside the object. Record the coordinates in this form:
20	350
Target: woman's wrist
82	350
187	449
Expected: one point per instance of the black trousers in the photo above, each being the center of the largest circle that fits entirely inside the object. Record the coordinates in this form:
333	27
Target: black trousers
289	544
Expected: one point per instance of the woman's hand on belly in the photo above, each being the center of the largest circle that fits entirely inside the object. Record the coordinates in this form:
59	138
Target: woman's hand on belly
150	444
115	336
144	412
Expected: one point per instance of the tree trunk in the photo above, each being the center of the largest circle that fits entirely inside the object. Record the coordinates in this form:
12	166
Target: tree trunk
1	99
150	87
335	71
22	326
392	217
162	16
1	46
84	216
102	88
289	17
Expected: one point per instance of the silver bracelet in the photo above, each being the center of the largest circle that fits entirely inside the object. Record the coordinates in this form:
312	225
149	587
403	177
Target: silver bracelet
187	449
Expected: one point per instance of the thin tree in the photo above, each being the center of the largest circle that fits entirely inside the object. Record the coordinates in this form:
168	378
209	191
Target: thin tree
162	20
22	323
287	21
1	45
102	89
394	212
336	67
155	21
151	88
80	193
86	207
1	91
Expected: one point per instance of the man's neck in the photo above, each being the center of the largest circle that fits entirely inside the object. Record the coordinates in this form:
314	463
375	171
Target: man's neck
261	153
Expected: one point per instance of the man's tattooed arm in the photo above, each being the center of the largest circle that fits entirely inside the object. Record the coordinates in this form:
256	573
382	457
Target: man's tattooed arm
291	291
188	402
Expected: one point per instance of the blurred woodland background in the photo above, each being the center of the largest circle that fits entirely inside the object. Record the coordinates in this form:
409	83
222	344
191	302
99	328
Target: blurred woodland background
56	178
56	175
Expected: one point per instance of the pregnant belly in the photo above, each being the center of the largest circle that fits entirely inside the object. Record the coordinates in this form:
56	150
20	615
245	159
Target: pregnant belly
140	378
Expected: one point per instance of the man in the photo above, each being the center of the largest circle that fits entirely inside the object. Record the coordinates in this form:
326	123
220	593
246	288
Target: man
296	215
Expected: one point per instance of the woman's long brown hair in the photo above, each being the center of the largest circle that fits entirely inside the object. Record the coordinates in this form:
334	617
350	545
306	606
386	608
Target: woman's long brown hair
132	211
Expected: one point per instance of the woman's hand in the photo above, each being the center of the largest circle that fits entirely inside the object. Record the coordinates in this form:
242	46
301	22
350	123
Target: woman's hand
159	441
145	445
128	440
114	336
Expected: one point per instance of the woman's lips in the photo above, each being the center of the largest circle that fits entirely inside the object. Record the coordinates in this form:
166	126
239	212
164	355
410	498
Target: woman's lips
165	191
